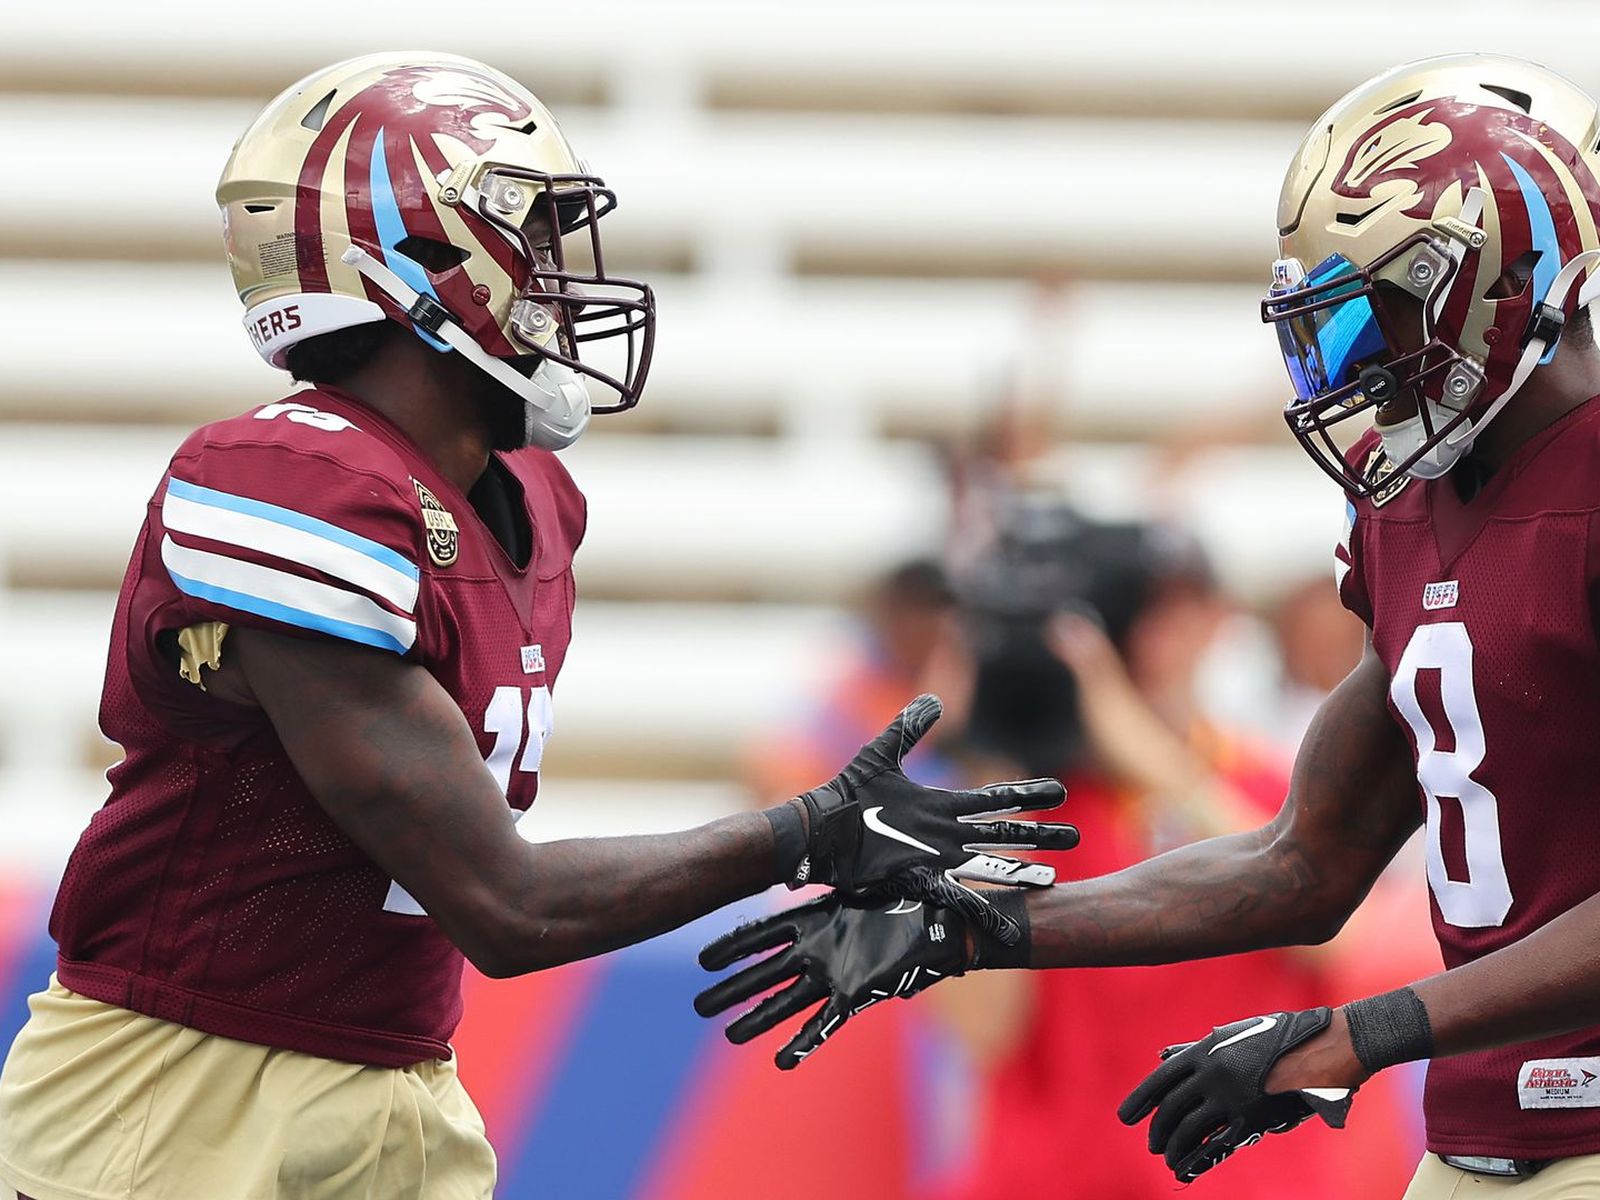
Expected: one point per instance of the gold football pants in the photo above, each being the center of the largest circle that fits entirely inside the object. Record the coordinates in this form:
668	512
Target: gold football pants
1568	1179
97	1103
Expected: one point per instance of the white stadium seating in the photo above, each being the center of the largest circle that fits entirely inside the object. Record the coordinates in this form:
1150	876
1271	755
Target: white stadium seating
836	358
871	224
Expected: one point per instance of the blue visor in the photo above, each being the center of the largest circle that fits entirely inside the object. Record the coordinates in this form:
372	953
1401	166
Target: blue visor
1324	348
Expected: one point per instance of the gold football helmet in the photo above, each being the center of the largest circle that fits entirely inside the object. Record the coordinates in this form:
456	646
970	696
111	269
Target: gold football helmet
439	193
1466	183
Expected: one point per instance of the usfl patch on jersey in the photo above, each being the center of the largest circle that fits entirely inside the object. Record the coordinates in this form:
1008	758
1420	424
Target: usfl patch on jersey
444	537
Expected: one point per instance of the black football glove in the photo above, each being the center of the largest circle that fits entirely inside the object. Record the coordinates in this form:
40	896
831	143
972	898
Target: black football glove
849	957
1208	1097
870	822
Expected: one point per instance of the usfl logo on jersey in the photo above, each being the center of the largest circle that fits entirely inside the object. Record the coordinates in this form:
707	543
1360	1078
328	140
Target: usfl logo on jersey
444	537
1443	594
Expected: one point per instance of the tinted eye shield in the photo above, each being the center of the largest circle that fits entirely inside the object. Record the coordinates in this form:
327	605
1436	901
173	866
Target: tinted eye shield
1327	324
1339	346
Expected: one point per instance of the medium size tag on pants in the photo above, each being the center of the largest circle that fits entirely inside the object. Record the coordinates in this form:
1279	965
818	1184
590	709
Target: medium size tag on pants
1559	1083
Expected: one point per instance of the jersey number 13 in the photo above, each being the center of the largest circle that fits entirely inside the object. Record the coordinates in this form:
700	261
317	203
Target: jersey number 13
1484	896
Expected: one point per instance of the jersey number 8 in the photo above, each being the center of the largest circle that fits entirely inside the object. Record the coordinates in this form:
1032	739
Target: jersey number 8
1483	898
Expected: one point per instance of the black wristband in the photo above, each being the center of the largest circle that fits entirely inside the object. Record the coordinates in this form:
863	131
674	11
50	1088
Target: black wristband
788	839
993	955
1389	1029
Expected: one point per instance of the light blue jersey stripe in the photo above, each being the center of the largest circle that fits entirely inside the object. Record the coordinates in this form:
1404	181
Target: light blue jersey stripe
289	616
294	520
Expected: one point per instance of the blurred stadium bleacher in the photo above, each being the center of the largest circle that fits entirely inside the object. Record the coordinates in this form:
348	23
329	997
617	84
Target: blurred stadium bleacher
867	222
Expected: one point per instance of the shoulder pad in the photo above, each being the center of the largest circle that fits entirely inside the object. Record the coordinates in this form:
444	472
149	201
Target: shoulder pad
311	529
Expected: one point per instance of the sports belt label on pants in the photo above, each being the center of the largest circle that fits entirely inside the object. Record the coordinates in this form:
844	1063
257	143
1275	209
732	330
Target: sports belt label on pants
1482	1164
1559	1083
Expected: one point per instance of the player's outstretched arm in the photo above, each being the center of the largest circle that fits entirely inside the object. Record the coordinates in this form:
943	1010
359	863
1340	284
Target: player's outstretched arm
391	758
1352	804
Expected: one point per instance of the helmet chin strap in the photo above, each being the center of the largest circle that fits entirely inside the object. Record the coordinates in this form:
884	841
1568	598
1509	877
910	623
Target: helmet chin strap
554	397
1402	439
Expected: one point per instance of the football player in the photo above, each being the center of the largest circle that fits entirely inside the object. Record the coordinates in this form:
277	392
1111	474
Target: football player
331	670
1437	227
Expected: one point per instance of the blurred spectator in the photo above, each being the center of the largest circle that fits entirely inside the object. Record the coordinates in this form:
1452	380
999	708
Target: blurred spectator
1060	1049
1319	643
904	648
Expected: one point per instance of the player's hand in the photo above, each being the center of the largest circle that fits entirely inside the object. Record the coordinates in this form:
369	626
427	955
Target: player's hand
1208	1096
870	823
833	951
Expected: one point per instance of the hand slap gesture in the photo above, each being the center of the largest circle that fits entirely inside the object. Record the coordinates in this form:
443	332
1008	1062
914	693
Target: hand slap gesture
845	956
873	832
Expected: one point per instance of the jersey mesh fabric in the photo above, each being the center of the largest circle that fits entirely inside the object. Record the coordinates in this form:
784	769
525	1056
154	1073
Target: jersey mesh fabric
212	890
1513	574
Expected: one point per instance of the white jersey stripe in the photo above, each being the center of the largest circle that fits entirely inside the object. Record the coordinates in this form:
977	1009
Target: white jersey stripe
284	597
296	520
297	545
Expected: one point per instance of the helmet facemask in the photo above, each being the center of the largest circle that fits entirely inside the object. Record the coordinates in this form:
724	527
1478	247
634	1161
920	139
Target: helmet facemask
558	309
1348	354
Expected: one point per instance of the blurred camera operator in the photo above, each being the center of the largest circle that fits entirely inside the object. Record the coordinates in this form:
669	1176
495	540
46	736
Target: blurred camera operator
1086	639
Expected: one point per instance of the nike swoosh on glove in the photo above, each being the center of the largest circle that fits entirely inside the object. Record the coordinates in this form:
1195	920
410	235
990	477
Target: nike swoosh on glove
1208	1095
873	832
836	951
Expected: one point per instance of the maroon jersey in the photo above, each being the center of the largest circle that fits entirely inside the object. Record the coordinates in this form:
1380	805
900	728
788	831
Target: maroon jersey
1483	613
212	890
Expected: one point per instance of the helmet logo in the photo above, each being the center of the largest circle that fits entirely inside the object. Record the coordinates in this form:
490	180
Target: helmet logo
1391	160
396	124
466	94
1393	150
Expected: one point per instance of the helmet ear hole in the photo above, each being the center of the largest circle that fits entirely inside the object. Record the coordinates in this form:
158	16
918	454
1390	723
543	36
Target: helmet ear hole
432	255
1515	278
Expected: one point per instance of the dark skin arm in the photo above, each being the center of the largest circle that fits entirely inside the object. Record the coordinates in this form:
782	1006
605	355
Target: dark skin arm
390	757
1545	984
1352	804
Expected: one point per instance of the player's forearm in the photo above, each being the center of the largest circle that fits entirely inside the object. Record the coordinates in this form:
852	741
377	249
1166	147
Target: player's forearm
1352	804
587	896
1546	984
1221	896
